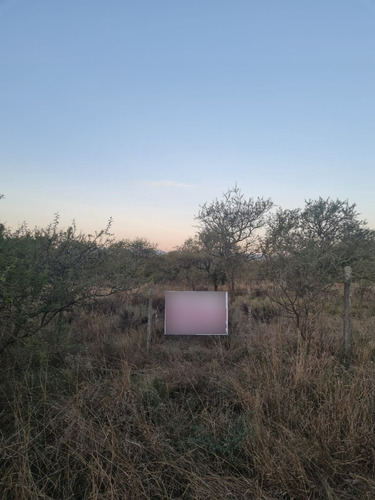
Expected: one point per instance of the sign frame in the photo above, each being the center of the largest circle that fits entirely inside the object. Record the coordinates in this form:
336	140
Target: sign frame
196	313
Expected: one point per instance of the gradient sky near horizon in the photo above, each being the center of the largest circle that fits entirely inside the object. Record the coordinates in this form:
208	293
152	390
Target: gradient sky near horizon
143	110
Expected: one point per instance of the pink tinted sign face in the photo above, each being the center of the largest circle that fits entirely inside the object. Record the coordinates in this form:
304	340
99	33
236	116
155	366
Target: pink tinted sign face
196	313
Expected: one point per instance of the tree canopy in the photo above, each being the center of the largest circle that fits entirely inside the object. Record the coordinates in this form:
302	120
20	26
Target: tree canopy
228	228
307	250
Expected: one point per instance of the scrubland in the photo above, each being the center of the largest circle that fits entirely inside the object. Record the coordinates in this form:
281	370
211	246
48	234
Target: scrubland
87	413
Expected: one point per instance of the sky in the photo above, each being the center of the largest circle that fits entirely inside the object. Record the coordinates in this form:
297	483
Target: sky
144	110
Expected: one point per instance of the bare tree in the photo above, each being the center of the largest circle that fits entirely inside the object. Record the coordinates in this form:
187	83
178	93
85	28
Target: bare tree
229	229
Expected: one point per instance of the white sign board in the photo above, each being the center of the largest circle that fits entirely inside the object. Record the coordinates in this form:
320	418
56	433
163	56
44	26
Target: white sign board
196	313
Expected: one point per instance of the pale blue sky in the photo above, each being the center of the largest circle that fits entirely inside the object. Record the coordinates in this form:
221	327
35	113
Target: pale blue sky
143	110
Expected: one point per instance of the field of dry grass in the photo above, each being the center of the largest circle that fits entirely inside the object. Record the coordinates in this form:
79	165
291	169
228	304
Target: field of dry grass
86	413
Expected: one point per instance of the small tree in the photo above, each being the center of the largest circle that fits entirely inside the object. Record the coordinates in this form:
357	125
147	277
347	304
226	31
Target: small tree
133	261
185	263
195	261
209	258
306	251
228	228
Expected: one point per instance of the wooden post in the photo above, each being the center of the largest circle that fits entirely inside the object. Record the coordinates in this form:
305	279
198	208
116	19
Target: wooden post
347	310
149	320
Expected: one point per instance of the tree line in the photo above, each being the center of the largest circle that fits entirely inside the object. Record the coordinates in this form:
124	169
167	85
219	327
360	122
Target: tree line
303	252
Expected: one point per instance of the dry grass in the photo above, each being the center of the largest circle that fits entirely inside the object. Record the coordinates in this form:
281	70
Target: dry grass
89	415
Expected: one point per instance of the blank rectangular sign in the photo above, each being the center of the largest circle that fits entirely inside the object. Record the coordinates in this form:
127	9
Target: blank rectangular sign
196	313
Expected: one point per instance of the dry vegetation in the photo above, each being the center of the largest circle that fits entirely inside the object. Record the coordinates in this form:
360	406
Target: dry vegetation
87	414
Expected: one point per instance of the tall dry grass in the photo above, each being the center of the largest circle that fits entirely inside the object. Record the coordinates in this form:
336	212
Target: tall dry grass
87	414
